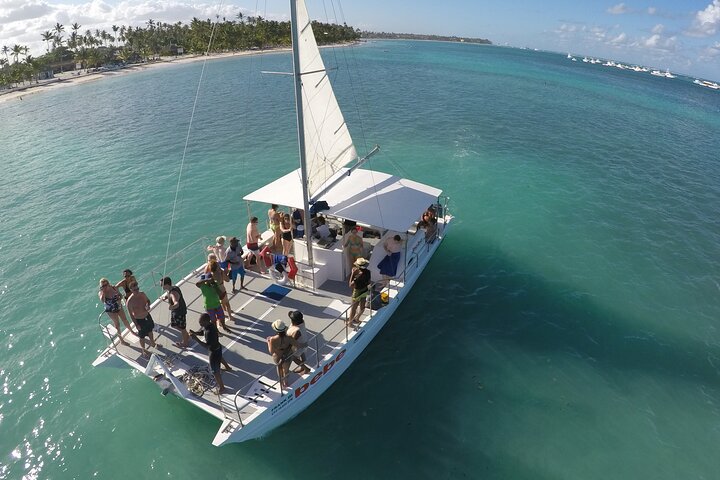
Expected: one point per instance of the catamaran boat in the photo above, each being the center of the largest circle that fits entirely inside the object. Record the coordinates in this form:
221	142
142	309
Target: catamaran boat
315	282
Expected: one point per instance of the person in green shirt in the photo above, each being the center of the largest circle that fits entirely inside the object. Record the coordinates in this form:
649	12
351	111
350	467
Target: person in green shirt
211	300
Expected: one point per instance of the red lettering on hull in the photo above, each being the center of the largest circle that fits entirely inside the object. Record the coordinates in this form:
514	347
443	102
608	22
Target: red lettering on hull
325	369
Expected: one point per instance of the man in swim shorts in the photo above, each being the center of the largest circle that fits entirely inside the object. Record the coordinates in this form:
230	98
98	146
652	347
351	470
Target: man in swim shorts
233	256
138	305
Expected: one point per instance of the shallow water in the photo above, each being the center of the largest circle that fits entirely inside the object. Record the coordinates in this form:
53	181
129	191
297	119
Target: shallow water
567	327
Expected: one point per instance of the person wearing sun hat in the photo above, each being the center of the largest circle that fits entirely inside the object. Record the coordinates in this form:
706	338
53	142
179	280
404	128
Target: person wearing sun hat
280	346
360	284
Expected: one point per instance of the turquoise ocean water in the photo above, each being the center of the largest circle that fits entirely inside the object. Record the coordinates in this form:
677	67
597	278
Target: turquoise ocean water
567	328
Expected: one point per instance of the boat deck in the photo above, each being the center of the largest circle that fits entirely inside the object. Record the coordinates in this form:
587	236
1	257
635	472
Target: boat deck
244	347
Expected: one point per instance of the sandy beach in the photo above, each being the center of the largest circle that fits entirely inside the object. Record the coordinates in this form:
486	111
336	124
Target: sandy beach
78	77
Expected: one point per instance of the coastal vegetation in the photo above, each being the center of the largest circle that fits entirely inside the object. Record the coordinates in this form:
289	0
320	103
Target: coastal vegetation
419	36
71	48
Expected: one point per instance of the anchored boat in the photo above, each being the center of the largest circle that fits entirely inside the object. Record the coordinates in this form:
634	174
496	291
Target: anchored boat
330	178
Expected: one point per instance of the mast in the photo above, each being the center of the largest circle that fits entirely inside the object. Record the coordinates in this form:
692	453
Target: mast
301	130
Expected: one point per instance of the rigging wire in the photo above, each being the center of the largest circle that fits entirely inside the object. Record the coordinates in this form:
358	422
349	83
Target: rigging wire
187	136
357	108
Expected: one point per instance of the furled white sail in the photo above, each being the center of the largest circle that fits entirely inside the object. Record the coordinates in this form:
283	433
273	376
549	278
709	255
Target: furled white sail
328	145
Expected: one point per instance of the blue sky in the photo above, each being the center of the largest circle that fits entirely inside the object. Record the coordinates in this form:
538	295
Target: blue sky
683	35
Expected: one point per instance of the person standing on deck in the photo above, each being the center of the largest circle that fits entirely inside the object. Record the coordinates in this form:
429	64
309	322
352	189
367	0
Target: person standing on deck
388	265
212	343
138	305
111	298
128	278
299	333
280	347
274	222
219	276
253	242
360	283
211	299
233	256
353	244
178	310
219	250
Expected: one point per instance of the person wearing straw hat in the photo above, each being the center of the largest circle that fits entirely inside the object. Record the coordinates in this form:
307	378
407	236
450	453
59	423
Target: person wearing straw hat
360	284
280	346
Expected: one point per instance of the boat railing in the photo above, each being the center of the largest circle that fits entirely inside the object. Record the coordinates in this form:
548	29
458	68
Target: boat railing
150	281
320	346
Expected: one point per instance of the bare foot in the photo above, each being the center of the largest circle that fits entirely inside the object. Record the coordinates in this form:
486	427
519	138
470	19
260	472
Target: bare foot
145	354
228	369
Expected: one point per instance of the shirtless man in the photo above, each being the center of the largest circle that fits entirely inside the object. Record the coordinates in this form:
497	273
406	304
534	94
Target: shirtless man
253	242
138	305
274	220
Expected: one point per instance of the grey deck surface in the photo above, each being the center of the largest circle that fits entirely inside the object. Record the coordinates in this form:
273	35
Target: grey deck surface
245	347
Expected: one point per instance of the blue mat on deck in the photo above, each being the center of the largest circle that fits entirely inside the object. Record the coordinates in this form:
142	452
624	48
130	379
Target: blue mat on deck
275	292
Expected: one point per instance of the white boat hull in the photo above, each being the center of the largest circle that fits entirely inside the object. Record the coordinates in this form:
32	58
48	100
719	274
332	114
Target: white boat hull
306	391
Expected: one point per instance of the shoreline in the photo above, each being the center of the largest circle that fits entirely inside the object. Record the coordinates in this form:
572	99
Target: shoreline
75	77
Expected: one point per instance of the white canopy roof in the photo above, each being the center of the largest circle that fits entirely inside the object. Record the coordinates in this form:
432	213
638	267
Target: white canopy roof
365	196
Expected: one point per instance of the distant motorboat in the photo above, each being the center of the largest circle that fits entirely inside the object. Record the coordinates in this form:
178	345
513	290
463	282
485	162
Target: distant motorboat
569	56
708	84
609	63
574	59
657	73
586	60
667	74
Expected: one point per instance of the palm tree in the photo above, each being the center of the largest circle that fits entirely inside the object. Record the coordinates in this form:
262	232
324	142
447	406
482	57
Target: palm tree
59	29
115	29
6	50
16	51
47	36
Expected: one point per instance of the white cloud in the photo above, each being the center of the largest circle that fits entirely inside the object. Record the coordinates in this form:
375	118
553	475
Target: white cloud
618	9
707	21
22	22
658	42
658	29
651	10
620	39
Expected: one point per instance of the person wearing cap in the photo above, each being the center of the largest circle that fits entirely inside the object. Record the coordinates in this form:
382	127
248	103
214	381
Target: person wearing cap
280	346
211	299
138	305
298	331
233	256
360	284
178	310
212	343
